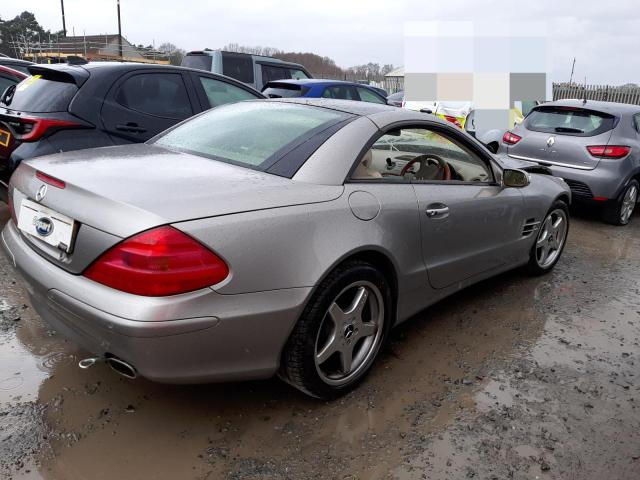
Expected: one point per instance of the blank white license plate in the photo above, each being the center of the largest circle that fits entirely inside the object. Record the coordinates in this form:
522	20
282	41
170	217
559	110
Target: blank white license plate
47	225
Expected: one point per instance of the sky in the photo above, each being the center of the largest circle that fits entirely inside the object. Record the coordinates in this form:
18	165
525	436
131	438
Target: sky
603	37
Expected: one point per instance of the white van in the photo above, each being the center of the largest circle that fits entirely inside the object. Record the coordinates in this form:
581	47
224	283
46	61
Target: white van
254	70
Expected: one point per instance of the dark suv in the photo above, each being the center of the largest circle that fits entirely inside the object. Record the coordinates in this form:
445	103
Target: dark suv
70	107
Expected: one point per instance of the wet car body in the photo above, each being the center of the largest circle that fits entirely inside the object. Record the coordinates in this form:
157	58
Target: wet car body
283	231
595	177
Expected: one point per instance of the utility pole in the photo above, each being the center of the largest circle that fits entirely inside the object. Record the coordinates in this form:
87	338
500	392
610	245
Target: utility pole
572	68
64	25
119	32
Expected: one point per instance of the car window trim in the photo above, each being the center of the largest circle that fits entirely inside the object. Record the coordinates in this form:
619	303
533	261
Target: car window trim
487	159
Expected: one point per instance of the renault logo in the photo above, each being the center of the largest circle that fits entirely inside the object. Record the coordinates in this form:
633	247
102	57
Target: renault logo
42	191
551	141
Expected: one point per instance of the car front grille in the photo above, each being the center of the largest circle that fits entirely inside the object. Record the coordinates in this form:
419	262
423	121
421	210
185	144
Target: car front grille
579	189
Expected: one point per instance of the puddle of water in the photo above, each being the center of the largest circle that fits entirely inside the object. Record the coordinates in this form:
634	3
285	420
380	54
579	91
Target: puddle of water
441	369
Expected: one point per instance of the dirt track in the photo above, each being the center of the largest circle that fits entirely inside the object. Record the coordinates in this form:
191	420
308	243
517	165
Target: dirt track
516	377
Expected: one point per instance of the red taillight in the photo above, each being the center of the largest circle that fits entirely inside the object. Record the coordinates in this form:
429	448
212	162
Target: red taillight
453	120
53	181
511	138
33	128
157	263
609	151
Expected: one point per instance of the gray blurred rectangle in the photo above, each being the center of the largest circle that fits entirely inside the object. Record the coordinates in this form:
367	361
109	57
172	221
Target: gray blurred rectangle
420	86
486	119
528	86
420	54
457	87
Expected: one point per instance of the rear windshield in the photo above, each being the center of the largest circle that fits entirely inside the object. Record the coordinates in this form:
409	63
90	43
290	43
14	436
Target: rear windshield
283	90
250	134
569	121
199	62
39	95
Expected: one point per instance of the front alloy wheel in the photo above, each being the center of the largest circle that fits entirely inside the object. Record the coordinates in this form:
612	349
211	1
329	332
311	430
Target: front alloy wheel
551	239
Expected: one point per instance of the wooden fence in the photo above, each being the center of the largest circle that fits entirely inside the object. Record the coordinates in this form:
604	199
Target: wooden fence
606	93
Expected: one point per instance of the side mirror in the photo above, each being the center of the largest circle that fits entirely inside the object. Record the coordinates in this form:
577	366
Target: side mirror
426	110
515	178
491	146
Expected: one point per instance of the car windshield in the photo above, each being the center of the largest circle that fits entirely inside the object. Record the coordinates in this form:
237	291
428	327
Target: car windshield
569	121
250	134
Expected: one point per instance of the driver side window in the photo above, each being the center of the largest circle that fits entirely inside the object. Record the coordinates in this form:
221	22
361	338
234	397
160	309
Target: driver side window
421	154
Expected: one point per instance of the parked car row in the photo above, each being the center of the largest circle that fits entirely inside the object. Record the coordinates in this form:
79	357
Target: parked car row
150	251
187	258
70	107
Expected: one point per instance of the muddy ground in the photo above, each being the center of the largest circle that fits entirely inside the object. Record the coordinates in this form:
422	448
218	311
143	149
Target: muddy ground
515	378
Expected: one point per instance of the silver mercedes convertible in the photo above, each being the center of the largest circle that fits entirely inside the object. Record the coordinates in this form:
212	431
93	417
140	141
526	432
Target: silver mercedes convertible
271	237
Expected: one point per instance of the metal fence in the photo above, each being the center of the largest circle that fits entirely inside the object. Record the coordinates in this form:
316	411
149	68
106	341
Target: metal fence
606	93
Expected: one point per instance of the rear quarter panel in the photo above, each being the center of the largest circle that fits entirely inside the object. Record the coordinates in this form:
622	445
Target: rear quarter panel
298	246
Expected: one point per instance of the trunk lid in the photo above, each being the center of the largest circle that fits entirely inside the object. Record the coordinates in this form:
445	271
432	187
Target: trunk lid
115	192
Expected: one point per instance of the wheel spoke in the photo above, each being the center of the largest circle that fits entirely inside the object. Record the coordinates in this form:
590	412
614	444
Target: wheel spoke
558	224
359	301
366	329
346	358
542	240
329	349
544	253
336	314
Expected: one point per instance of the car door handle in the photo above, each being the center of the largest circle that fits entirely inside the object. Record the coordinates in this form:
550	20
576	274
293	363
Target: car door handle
131	127
437	210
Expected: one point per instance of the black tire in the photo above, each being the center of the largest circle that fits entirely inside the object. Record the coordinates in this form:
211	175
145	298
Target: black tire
298	366
534	266
613	214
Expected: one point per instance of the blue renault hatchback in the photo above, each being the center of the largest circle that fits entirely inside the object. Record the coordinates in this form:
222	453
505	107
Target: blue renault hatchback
317	88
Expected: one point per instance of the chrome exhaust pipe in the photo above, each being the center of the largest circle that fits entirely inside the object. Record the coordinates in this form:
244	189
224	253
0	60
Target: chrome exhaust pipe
88	362
122	367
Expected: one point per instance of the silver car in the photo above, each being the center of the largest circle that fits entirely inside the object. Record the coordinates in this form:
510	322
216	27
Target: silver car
594	146
276	236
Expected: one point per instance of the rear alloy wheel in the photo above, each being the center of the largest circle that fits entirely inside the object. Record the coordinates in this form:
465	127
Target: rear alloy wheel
340	333
551	239
620	213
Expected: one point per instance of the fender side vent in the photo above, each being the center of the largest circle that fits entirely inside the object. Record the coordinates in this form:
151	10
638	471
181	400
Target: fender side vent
530	226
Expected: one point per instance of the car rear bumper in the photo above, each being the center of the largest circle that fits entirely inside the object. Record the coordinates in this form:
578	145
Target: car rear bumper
235	337
605	182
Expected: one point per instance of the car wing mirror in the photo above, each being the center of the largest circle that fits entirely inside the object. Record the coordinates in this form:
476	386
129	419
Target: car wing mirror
515	178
